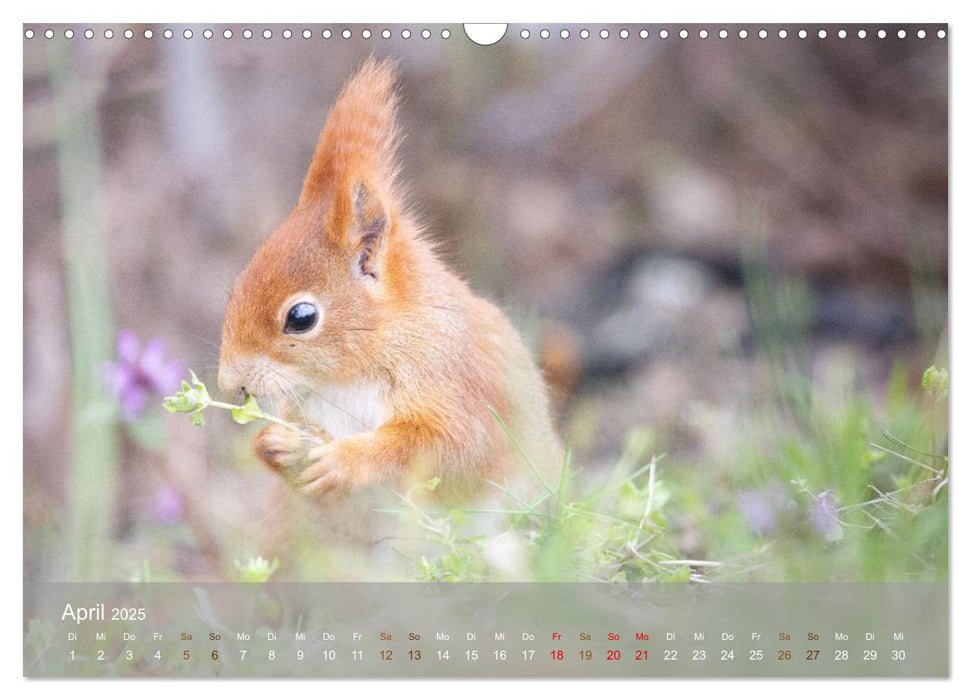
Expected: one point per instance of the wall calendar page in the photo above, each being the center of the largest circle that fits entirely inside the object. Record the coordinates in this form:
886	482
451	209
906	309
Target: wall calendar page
485	351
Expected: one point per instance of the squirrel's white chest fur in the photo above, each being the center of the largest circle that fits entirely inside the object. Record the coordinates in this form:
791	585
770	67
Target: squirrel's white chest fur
346	409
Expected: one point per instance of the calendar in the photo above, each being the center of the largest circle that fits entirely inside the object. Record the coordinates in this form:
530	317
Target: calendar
495	630
469	351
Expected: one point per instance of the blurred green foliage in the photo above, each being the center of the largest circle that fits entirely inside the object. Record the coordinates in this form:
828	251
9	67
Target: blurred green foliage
837	498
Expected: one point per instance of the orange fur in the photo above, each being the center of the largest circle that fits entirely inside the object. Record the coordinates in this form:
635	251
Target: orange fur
405	361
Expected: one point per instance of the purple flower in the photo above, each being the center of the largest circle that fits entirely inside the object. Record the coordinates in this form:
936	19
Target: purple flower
140	373
168	505
759	512
824	517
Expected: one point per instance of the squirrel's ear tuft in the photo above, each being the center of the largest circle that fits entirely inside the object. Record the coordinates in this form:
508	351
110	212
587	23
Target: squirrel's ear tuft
359	140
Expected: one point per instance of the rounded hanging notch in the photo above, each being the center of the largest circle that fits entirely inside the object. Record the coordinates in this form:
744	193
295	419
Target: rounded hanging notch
485	34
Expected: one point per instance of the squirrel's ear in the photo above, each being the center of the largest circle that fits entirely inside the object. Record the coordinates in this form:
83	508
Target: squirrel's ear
358	142
366	232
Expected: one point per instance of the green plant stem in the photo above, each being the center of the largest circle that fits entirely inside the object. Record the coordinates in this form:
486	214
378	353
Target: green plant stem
93	474
269	419
906	458
521	451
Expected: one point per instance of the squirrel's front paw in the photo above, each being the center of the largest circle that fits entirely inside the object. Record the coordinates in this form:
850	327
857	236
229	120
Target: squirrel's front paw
333	468
281	449
325	472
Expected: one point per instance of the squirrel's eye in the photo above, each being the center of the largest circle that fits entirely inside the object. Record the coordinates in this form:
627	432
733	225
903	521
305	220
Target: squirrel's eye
300	318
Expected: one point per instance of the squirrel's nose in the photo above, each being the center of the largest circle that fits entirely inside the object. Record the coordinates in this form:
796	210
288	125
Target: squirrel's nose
237	379
231	379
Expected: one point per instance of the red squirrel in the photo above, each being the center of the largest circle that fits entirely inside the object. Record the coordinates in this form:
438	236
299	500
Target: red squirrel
346	321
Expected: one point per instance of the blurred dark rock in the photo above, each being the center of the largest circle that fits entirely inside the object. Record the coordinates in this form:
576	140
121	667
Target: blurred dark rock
652	304
644	305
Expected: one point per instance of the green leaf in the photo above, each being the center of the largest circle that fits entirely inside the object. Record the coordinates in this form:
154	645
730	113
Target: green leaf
190	399
180	403
199	388
249	411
